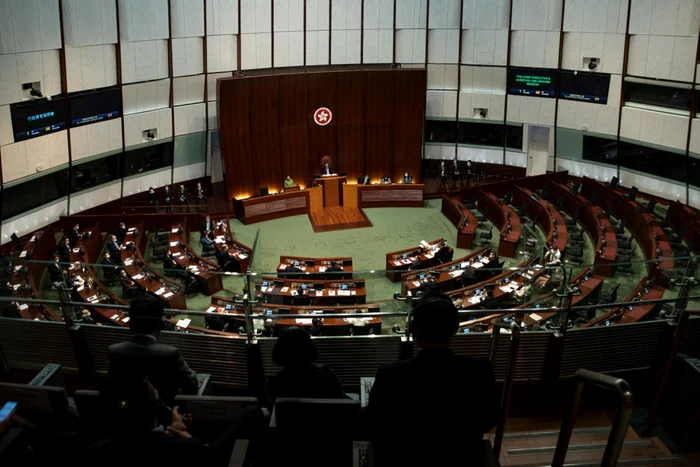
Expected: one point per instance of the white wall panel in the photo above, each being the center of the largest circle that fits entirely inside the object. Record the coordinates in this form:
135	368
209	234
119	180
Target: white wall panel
410	45
222	53
36	220
91	67
135	125
213	120
97	138
188	90
694	198
532	110
346	14
188	172
318	15
187	18
609	48
143	20
411	14
345	46
190	119
439	151
29	25
289	49
222	17
144	97
288	15
444	14
598	118
536	15
256	50
7	135
256	16
484	47
378	14
144	61
16	69
654	127
491	156
317	47
34	155
10	89
442	77
102	195
188	56
378	46
485	14
535	49
442	104
211	84
516	159
89	22
653	186
443	45
144	182
694	136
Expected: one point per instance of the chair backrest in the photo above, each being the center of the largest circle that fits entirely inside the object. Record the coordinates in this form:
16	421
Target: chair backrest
42	401
331	417
213	410
88	404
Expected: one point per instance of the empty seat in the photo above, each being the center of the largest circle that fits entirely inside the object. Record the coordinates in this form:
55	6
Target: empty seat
487	235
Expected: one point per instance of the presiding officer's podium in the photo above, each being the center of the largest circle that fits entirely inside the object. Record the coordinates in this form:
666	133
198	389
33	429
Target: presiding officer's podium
332	190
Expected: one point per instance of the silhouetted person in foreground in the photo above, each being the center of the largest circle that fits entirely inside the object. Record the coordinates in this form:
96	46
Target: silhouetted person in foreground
301	376
432	409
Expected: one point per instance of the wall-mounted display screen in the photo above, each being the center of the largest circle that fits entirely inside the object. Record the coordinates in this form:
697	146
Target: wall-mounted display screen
39	117
584	86
537	82
95	106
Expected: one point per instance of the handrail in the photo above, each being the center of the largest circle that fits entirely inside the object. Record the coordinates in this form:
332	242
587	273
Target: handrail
510	373
619	428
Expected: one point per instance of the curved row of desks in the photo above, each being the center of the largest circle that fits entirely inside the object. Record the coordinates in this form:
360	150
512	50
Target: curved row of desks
321	292
209	279
398	262
315	268
548	218
631	313
238	254
448	276
501	215
463	219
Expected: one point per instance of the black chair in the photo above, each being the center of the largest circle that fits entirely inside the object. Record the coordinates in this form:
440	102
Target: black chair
620	228
676	237
624	243
487	235
609	297
574	218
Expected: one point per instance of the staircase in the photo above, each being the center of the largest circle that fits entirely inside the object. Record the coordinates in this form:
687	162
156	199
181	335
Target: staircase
536	448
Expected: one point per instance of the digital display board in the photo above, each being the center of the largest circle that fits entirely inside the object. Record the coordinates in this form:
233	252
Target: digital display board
39	117
532	82
584	86
94	106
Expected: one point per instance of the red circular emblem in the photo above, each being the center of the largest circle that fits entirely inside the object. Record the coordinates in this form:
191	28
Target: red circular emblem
323	116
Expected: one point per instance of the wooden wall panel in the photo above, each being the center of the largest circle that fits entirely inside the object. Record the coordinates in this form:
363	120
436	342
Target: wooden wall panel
267	130
293	123
323	89
379	123
408	122
233	113
265	134
350	114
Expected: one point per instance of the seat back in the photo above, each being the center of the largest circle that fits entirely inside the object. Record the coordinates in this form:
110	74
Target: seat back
38	404
335	418
88	404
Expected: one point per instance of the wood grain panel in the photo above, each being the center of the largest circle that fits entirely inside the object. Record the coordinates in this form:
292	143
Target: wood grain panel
265	134
323	91
293	124
234	121
379	123
350	115
409	114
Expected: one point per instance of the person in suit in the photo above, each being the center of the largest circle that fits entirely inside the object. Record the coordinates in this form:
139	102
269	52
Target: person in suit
365	181
553	256
169	263
56	272
152	199
206	237
407	178
456	175
222	257
114	247
206	225
301	376
385	179
143	356
121	232
433	386
288	182
442	174
201	194
301	299
493	264
111	266
444	254
74	234
129	288
333	269
168	199
326	169
293	271
64	250
182	197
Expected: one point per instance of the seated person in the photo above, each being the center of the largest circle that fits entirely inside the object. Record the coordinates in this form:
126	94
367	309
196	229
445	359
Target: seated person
326	169
64	250
288	182
524	293
385	179
74	234
222	257
207	224
86	318
207	238
108	261
407	178
333	269
115	249
120	233
444	254
365	180
169	262
56	273
129	288
553	256
292	271
301	376
555	279
434	385
301	299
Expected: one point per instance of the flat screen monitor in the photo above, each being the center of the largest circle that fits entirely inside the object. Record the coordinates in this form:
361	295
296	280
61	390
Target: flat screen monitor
537	82
37	118
94	106
584	86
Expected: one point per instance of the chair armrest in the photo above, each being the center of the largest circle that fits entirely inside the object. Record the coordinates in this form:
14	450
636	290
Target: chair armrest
203	382
239	453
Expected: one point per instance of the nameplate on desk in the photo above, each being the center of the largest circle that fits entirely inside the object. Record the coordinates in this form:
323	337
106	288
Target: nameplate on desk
535	317
457	273
319	293
76	250
183	323
126	320
416	283
160	291
304	320
114	317
173	243
168	295
23	254
174	230
331	293
177	254
397	263
284	289
211	309
128	262
92	299
321	269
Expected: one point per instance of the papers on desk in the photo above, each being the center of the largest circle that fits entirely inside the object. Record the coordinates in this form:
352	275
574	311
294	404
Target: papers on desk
114	317
474	300
282	266
284	289
173	243
424	244
211	309
192	266
168	295
294	293
535	317
505	289
131	229
321	269
242	256
304	320
303	268
17	268
397	263
264	289
23	307
16	286
174	230
92	299
175	255
76	250
505	331
331	293
484	260
477	265
344	292
23	254
160	291
80	289
137	277
429	255
319	293
407	261
416	283
126	320
457	273
128	262
33	239
183	323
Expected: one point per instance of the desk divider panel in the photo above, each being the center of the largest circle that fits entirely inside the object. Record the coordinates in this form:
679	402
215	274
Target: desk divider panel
30	345
690	345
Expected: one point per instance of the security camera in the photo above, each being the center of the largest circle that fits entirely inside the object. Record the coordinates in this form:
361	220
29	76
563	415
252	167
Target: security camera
593	64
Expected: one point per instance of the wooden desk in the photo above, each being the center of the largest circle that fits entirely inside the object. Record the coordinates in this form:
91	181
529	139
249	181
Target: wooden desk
502	216
548	218
463	219
398	262
332	190
391	195
29	268
279	291
644	227
207	273
318	270
264	208
161	287
681	217
595	222
624	315
449	275
238	252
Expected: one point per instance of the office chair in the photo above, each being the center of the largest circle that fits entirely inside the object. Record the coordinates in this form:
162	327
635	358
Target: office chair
574	218
487	235
676	237
620	228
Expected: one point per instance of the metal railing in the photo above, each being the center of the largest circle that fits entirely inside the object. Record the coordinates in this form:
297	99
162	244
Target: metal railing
508	382
619	428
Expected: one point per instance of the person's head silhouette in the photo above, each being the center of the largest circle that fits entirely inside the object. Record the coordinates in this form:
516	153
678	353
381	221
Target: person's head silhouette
294	347
435	320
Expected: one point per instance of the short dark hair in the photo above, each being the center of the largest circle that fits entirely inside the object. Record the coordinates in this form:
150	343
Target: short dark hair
333	263
435	318
146	316
294	347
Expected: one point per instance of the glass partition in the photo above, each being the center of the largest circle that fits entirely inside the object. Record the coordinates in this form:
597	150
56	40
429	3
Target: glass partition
95	172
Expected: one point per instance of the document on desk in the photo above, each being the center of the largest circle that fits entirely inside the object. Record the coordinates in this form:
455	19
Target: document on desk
137	277
183	323
397	263
114	317
128	262
535	317
160	291
457	273
505	289
173	243
477	265
474	300
174	230
211	309
304	320
321	269
484	260
79	289
331	293
76	250
23	254
168	295
282	266
319	293
284	289
243	256
416	283
126	320
263	289
23	307
176	254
